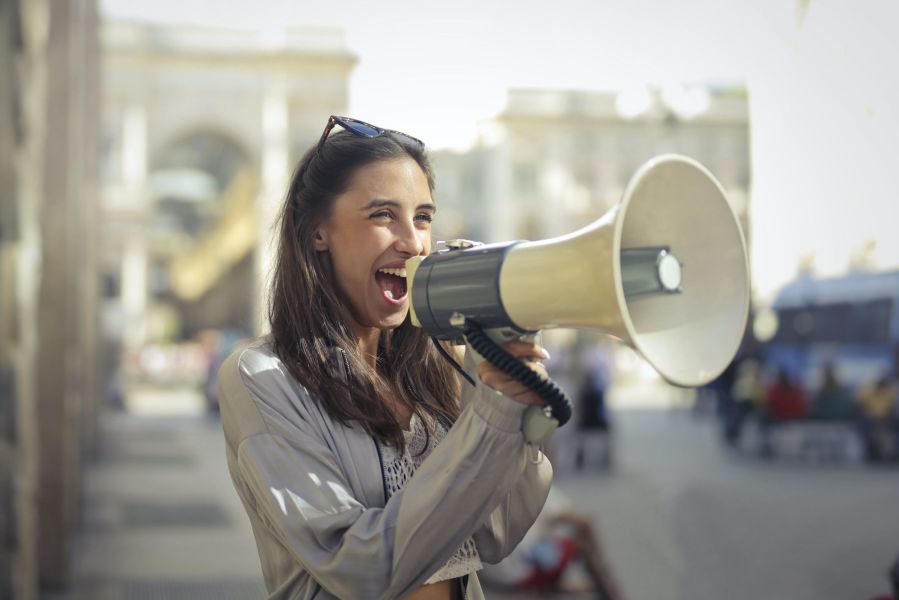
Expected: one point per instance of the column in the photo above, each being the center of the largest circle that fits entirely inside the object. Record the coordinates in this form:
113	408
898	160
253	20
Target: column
274	187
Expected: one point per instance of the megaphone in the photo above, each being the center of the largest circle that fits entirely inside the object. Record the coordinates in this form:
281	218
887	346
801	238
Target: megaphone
665	271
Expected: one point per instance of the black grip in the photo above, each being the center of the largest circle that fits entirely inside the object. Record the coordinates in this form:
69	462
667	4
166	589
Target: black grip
546	388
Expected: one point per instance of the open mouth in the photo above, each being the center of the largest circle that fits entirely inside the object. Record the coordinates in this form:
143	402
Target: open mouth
392	283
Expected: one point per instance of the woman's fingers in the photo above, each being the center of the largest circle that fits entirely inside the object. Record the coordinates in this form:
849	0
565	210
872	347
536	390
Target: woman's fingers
493	377
523	349
508	386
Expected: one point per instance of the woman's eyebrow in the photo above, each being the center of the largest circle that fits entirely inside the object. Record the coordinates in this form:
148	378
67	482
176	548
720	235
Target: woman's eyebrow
382	202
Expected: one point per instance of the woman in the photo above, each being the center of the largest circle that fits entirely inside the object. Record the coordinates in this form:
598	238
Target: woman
332	422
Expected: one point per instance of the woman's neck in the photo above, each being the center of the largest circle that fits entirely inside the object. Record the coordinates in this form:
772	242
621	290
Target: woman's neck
367	341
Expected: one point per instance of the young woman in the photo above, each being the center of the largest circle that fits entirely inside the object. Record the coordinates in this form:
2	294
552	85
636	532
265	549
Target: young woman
366	468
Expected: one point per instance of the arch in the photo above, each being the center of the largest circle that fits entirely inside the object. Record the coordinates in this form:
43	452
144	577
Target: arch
189	175
203	185
209	149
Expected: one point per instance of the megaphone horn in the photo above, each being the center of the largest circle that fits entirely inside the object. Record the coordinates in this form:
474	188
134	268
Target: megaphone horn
665	271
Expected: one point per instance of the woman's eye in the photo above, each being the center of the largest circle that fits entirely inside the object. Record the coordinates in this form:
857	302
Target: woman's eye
381	214
424	217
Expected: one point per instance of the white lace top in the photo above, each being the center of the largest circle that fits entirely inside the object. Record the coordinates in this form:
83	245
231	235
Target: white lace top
398	468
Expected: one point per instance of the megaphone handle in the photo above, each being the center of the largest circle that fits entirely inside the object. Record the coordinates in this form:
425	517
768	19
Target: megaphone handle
537	423
501	335
547	389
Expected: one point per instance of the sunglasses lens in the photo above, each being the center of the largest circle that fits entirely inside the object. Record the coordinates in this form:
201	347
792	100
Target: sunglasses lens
362	128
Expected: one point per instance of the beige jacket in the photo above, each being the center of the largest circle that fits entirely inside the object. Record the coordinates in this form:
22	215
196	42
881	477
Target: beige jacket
314	492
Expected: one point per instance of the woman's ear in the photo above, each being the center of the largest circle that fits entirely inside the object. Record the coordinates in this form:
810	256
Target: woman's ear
321	242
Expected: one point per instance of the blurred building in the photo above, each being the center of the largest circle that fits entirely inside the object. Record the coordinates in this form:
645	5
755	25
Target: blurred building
49	338
201	128
563	158
134	209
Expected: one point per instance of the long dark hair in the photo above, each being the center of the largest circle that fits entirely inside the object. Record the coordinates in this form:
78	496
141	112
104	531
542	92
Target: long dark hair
309	315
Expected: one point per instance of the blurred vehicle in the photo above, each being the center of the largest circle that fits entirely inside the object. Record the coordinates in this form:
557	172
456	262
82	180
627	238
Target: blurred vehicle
850	321
835	338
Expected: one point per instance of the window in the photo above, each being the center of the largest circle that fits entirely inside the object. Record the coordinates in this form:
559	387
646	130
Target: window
840	323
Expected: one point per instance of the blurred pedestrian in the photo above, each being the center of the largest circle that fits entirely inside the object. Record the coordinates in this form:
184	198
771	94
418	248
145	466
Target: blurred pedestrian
785	401
832	401
894	582
877	420
543	562
718	393
894	577
366	472
212	345
747	398
593	421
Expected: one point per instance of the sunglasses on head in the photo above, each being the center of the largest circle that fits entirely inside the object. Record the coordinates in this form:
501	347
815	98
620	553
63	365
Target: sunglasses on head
363	129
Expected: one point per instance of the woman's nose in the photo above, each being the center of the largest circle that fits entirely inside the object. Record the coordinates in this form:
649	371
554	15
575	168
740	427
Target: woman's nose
410	240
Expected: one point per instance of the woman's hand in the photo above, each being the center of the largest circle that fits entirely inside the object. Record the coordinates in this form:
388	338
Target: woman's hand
498	380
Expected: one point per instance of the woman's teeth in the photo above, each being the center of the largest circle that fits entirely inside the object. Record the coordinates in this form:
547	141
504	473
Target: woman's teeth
392	283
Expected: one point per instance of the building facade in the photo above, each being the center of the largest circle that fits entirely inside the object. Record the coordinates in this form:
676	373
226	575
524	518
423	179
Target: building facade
141	169
201	130
565	157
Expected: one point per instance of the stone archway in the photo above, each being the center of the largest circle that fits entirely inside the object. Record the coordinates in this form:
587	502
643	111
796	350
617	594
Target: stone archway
202	186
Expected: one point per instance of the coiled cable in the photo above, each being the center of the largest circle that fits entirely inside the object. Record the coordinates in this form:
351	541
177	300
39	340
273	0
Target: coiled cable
546	388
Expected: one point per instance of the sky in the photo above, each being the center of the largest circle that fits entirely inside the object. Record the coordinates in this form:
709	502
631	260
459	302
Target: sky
442	69
821	75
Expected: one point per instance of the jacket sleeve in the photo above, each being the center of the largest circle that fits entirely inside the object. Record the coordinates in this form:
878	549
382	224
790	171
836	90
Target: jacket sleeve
299	490
505	527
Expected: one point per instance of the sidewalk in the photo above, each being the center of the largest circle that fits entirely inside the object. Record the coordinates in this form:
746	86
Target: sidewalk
161	519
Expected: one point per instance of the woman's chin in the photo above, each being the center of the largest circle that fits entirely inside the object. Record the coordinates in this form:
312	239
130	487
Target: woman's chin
394	318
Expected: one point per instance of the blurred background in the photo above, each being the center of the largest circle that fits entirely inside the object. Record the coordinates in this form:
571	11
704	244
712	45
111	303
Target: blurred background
144	151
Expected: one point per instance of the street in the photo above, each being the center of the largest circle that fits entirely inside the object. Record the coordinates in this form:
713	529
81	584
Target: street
679	516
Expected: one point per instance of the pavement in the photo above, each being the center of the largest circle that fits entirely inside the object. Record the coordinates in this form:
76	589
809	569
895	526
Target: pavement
683	518
161	519
679	516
